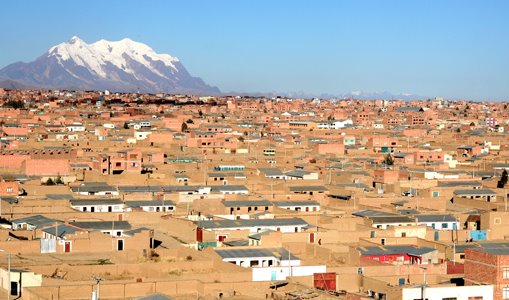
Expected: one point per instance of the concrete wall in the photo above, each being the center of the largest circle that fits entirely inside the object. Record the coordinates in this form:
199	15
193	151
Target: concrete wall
281	273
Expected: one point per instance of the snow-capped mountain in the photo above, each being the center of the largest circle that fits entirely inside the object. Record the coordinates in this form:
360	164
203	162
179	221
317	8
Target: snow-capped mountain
124	65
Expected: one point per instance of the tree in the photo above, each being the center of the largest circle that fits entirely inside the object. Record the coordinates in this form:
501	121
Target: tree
50	181
223	116
126	126
59	180
389	160
472	124
241	139
503	180
189	121
458	130
183	127
16	104
200	113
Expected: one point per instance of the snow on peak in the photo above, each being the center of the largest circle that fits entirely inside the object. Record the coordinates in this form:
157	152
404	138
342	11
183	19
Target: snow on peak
75	40
96	56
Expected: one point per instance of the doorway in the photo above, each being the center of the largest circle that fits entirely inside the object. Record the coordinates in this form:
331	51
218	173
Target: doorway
67	247
120	245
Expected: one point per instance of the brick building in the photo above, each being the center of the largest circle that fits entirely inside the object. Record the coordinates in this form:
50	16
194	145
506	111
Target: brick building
489	265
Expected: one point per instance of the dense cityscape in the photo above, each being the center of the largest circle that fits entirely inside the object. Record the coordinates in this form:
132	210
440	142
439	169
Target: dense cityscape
250	150
158	196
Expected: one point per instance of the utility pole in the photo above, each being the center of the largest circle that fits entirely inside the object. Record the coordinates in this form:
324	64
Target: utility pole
505	199
424	284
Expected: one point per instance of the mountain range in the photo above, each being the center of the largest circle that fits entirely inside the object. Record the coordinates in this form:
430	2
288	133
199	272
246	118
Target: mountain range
122	66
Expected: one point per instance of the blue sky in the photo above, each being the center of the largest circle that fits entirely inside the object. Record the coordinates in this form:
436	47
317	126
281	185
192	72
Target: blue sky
456	49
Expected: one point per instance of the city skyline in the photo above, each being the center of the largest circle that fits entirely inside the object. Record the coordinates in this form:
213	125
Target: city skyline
455	49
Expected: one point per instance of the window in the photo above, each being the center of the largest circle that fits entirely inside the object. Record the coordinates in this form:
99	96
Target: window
497	221
505	293
10	190
435	194
505	272
445	225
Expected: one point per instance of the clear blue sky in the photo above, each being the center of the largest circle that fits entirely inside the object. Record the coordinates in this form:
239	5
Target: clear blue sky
456	49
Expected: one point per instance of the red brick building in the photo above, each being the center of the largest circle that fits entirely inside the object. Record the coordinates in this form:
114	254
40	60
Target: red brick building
489	265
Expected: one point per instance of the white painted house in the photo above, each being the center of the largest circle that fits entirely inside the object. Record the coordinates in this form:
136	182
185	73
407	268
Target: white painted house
484	292
76	127
98	205
151	206
438	222
306	206
255	225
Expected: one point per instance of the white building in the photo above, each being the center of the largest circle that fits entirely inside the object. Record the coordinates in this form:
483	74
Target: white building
484	292
254	225
334	124
151	206
306	206
438	222
99	205
259	257
76	127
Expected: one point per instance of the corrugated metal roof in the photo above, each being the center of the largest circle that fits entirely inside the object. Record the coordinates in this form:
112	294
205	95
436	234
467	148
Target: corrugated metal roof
142	203
279	253
86	202
296	203
483	192
395	249
61	230
391	219
37	221
436	218
371	213
102	225
215	224
244	203
308	188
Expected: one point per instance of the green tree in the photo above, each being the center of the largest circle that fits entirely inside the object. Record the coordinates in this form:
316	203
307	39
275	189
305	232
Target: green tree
241	139
50	181
503	180
183	127
389	160
59	180
16	104
200	113
126	126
